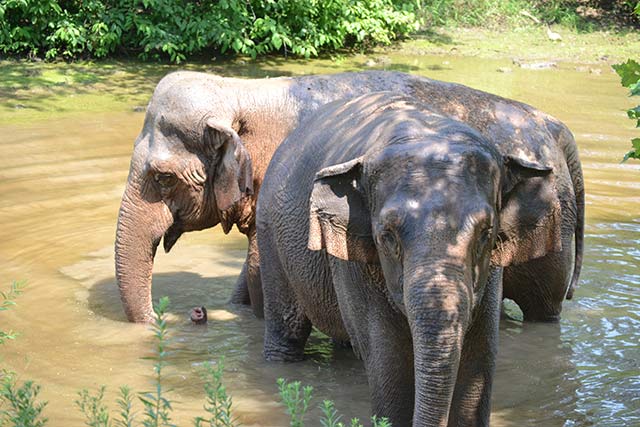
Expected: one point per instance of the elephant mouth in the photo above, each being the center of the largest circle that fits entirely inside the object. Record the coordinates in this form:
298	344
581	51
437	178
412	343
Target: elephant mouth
172	235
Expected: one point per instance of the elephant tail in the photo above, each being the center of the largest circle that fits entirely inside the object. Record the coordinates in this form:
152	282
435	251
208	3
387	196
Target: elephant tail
575	169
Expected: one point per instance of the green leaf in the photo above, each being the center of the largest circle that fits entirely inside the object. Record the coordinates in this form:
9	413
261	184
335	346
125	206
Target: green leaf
629	72
276	41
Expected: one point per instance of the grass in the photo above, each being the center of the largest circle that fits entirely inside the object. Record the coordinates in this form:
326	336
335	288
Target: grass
528	43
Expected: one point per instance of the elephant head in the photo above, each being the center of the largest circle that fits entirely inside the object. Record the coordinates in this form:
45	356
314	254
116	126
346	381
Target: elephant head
435	212
189	171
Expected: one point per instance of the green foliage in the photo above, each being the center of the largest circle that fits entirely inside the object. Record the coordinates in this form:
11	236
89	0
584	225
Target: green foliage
219	403
157	408
629	73
296	398
331	418
176	29
125	403
19	404
8	302
95	411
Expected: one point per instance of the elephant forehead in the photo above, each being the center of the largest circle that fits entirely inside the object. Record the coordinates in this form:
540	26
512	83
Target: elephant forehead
435	157
522	133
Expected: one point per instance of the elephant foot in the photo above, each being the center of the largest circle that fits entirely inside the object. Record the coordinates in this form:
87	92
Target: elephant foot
274	352
541	317
283	356
198	315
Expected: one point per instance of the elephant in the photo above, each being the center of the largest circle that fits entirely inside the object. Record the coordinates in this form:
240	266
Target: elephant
206	141
384	223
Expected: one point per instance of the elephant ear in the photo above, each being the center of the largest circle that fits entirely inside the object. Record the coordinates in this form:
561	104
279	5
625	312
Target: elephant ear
233	178
530	216
340	221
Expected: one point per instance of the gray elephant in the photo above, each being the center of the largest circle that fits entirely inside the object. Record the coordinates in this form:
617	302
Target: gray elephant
207	140
384	223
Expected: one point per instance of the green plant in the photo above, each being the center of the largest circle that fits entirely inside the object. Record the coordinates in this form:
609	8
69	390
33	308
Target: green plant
93	408
8	301
331	418
629	73
157	408
125	403
218	403
296	398
22	406
176	29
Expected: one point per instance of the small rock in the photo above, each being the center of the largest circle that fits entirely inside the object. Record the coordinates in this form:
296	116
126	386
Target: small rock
596	71
139	109
19	106
370	63
582	69
198	315
543	65
504	70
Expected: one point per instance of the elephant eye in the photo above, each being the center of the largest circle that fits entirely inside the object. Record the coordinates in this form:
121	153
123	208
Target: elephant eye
483	241
389	241
166	180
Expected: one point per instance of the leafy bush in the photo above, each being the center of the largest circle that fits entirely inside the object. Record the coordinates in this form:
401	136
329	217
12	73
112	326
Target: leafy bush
629	73
175	29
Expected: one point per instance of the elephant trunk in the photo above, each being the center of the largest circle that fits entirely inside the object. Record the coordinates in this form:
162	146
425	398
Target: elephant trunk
142	221
438	311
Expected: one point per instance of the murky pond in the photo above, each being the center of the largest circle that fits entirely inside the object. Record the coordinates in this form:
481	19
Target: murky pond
61	179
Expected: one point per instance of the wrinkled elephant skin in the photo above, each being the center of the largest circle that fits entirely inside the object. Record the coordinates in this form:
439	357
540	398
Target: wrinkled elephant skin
201	155
387	224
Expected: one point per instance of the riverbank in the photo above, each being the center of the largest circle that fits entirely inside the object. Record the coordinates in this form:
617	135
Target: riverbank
37	90
528	43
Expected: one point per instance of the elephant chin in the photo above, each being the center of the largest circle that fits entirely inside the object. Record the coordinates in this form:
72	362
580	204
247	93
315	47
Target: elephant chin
171	236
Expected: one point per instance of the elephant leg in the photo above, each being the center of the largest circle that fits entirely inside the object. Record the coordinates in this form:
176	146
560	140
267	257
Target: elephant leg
248	288
539	286
286	325
389	365
254	284
381	337
471	403
240	293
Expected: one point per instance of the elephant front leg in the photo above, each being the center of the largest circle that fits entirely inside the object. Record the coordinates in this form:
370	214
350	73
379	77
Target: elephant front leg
286	325
389	365
248	288
471	404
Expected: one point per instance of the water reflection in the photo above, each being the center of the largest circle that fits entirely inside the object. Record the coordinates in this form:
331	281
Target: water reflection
61	180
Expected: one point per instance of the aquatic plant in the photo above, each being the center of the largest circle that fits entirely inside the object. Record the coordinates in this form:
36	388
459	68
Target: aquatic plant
8	301
19	406
219	403
157	408
19	403
296	398
93	408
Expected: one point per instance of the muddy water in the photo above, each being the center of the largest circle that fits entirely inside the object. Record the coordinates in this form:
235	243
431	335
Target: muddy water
61	179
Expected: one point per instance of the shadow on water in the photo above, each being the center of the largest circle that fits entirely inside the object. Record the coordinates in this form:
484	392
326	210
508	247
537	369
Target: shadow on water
235	335
185	290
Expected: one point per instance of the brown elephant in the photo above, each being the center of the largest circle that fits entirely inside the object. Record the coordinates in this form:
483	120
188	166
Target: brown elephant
206	142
